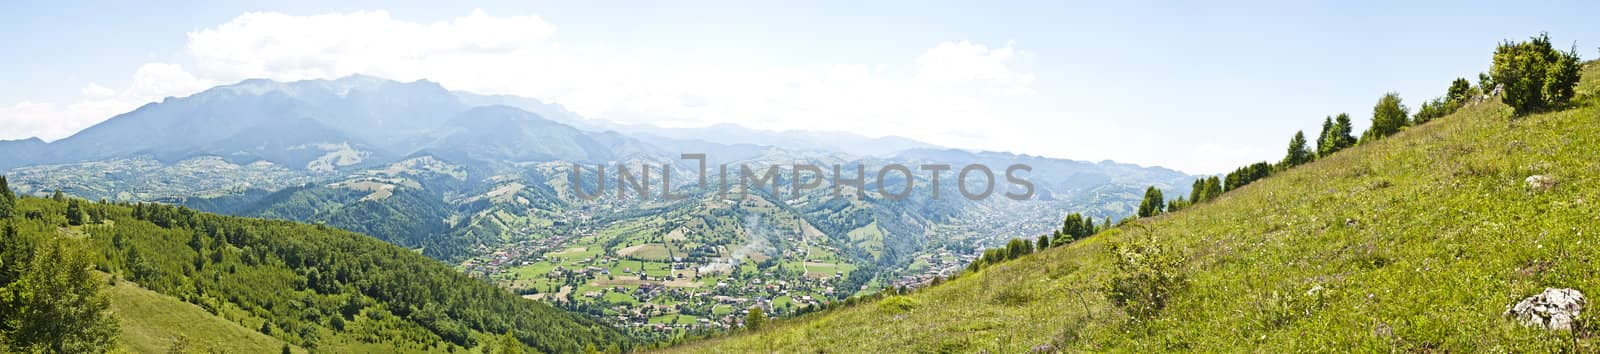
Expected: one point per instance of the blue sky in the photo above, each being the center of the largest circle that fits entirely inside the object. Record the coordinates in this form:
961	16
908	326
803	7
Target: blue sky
1201	87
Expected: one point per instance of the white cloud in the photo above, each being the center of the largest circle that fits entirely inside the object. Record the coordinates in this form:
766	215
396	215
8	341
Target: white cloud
51	121
1219	158
284	47
936	95
155	81
96	91
955	63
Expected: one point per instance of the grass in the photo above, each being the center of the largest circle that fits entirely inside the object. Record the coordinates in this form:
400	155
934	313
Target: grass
152	323
675	319
648	251
1417	242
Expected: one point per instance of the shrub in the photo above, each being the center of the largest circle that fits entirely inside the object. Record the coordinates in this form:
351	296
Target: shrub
897	304
1388	116
755	318
1534	76
1147	276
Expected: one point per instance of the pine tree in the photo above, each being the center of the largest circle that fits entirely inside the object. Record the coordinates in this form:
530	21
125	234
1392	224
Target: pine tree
1298	154
58	196
1324	139
8	202
1177	204
1153	203
1343	133
1197	191
74	213
1213	188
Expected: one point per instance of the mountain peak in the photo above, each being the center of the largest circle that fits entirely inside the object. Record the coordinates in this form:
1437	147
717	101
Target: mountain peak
339	86
28	141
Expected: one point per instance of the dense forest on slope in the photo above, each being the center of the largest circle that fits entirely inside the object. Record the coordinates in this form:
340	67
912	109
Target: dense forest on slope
312	286
1418	238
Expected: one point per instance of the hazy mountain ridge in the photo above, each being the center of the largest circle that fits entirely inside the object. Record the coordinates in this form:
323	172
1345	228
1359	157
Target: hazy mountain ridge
483	182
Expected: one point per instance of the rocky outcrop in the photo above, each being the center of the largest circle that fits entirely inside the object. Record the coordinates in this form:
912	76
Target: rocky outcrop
1554	309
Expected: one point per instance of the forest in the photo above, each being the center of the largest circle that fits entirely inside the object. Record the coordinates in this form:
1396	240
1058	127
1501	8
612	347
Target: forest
308	285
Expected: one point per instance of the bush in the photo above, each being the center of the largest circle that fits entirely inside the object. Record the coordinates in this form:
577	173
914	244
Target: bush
1147	276
1388	116
1533	75
897	304
755	318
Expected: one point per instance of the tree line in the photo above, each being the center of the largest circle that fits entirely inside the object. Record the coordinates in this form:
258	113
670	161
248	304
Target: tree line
1530	77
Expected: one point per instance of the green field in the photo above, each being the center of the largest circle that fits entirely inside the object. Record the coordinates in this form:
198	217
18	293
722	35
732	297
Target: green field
675	319
152	323
1415	243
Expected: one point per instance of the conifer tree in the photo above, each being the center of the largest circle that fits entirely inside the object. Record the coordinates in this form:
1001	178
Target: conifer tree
74	213
1153	203
1343	133
1197	191
8	202
1324	140
1213	188
1298	154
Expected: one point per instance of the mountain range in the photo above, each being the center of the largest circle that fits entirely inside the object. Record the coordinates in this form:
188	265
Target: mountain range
483	183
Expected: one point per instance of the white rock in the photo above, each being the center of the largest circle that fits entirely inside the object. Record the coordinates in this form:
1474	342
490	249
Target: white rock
1554	309
1540	182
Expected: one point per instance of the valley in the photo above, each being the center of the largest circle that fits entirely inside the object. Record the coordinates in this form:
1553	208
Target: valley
486	189
811	177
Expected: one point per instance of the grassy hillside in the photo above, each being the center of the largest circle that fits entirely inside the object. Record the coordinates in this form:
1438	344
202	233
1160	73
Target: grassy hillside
240	285
153	323
1417	242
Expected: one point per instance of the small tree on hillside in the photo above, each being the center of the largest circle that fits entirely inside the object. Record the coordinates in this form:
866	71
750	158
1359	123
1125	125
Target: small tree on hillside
1454	97
1177	204
1146	278
1535	76
1336	135
755	319
1486	83
1153	203
1388	116
1460	90
1213	189
1197	191
75	213
1322	137
1299	153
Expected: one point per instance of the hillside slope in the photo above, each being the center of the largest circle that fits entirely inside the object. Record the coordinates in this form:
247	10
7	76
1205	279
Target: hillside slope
153	323
241	284
1417	242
